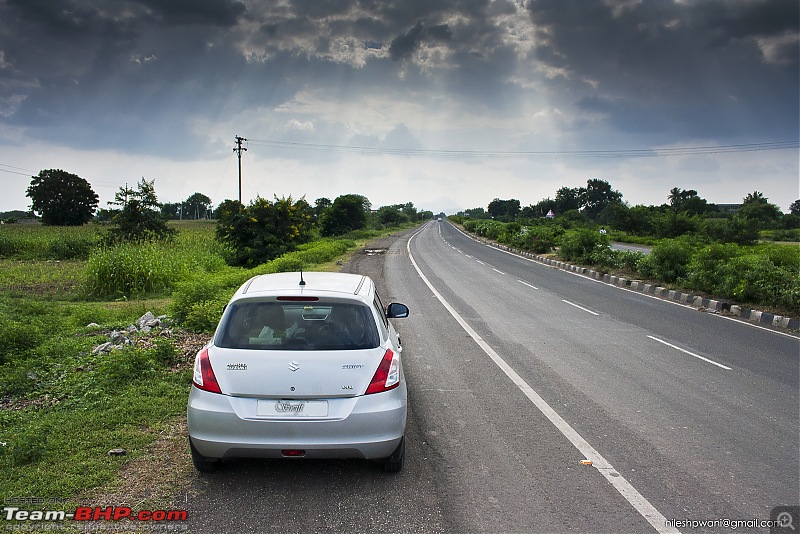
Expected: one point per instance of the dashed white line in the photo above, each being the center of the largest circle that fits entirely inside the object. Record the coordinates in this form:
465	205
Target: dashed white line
712	362
527	284
579	307
479	261
619	482
495	270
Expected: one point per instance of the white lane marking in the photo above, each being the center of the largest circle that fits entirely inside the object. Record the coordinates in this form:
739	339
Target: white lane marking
479	261
470	257
653	297
579	307
690	353
620	483
527	284
495	270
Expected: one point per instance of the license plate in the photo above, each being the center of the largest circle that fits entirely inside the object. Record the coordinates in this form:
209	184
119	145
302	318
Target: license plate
292	408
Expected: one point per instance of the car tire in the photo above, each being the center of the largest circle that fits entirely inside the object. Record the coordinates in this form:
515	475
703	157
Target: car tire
202	463
394	463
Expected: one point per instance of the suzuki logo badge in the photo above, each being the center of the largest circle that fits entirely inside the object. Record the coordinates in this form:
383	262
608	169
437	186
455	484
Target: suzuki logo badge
294	366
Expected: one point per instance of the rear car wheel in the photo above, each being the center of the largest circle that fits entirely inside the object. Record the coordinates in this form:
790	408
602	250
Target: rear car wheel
201	463
394	463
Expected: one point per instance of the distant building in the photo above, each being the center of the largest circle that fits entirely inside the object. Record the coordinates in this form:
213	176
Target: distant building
729	208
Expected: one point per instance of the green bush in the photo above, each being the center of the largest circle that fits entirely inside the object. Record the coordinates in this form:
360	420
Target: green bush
204	316
581	245
217	287
264	230
763	274
485	228
628	259
668	261
540	239
708	265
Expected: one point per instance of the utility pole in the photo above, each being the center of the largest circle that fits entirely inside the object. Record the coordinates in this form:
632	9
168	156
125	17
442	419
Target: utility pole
238	149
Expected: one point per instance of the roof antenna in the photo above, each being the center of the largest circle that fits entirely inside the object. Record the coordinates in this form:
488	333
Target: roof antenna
302	282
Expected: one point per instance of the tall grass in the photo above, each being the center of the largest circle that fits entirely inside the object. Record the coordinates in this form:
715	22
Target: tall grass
128	269
36	242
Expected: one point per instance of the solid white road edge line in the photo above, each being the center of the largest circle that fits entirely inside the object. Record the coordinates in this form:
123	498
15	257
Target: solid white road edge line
620	483
690	353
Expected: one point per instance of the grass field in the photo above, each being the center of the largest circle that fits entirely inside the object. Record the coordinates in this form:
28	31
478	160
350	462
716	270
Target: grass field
63	406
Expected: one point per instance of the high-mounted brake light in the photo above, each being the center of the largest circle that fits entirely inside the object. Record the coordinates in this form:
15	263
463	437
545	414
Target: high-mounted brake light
298	299
204	377
388	374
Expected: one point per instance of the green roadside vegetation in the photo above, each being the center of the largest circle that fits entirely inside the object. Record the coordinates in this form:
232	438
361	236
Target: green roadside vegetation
63	292
762	274
747	253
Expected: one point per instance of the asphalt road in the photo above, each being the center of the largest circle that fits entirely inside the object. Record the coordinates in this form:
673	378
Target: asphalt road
517	372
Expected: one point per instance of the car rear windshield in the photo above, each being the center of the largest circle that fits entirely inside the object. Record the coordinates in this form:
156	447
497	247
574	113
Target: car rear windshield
298	326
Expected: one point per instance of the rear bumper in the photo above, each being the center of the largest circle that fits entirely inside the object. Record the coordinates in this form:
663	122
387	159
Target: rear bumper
368	427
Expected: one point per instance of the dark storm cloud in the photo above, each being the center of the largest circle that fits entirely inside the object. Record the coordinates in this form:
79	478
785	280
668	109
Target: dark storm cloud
135	74
675	68
201	12
404	45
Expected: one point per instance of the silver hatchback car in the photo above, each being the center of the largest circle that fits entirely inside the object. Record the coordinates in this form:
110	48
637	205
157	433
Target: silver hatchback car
302	365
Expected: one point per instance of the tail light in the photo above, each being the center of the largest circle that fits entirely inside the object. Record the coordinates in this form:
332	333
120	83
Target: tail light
204	377
388	374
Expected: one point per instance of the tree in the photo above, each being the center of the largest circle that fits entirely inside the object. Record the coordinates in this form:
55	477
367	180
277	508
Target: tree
567	198
171	210
227	208
196	206
504	210
757	207
390	215
62	198
409	209
474	213
794	209
320	205
538	210
596	196
347	213
755	197
140	217
263	230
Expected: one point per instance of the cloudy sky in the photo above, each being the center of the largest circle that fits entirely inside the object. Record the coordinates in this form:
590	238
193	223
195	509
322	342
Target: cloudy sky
444	103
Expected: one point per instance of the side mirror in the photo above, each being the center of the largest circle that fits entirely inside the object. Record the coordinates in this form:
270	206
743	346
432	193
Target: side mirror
396	311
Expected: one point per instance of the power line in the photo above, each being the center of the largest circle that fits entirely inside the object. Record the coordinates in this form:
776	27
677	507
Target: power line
622	153
27	172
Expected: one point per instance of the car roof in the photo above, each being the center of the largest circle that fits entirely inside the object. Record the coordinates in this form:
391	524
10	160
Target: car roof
316	283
